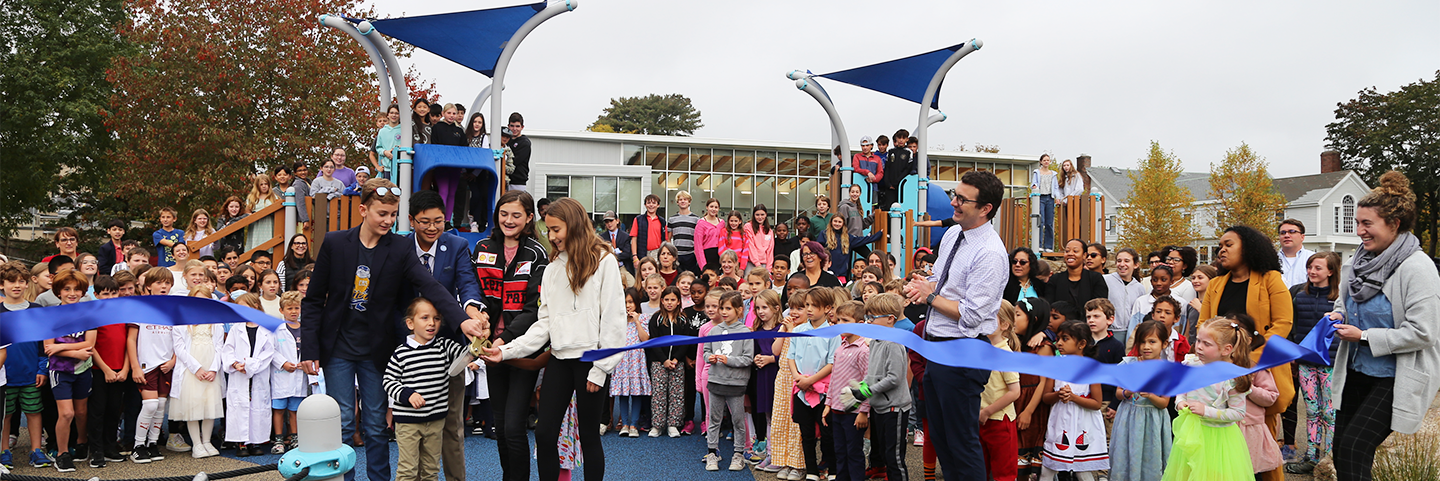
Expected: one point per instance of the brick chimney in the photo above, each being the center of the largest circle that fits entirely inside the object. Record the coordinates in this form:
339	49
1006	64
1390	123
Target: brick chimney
1330	162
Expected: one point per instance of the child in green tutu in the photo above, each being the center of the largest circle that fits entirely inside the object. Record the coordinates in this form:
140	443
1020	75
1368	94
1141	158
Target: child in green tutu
1208	442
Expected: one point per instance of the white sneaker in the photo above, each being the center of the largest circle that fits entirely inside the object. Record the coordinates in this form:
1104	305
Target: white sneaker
603	428
177	443
674	433
796	475
712	462
737	462
655	432
919	438
210	450
634	433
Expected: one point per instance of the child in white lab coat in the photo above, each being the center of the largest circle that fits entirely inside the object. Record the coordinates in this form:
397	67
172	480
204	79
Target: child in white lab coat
247	354
288	384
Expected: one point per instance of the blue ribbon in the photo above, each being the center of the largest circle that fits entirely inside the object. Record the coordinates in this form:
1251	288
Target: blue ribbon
51	322
1163	378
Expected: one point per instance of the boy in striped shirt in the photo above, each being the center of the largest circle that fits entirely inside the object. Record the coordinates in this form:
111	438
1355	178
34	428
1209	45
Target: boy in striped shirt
416	380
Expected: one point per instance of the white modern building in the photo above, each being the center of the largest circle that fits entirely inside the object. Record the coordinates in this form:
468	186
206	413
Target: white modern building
611	171
1324	202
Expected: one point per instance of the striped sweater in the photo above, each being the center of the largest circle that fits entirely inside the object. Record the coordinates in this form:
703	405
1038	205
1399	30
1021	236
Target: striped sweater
421	368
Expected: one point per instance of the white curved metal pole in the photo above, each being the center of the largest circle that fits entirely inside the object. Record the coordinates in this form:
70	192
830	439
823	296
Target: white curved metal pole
837	127
403	164
935	119
480	100
922	165
497	81
339	23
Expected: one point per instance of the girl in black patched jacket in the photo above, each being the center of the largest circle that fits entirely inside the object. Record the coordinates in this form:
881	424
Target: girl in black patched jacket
509	265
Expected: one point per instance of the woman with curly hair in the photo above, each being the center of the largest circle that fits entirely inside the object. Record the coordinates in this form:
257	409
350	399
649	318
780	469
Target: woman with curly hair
1250	283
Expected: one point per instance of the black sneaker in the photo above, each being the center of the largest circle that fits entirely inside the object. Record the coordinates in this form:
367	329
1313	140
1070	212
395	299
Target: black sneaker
64	463
154	452
242	451
97	461
82	451
138	455
112	454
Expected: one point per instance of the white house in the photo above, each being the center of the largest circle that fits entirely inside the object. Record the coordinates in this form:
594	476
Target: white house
1324	202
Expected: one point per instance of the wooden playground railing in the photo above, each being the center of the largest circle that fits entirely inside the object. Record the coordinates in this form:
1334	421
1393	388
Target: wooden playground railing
1079	218
1013	222
340	213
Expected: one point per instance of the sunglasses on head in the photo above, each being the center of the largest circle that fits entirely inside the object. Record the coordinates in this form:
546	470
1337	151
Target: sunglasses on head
383	191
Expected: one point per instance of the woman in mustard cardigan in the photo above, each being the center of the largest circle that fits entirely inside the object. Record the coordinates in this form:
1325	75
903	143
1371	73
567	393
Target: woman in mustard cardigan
1250	283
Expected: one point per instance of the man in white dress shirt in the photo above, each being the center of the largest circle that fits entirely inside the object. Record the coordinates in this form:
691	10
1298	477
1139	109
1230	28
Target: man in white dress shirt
1293	253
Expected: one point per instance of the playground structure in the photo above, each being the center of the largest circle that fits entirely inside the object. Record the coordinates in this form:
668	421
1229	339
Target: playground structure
454	36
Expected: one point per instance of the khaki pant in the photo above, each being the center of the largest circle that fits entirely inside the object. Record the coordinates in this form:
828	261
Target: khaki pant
452	448
419	445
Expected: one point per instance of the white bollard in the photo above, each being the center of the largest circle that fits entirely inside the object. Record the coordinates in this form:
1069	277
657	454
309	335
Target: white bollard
291	218
320	448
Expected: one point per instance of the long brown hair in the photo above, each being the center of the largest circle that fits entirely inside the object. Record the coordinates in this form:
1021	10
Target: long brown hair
526	202
209	224
585	249
225	207
1332	261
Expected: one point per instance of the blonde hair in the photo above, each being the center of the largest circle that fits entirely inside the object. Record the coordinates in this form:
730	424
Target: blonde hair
758	271
1234	332
290	298
770	298
1006	316
851	309
682	195
256	195
249	299
886	304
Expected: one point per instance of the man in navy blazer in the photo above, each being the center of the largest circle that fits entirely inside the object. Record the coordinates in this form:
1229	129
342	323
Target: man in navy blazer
361	278
614	233
448	258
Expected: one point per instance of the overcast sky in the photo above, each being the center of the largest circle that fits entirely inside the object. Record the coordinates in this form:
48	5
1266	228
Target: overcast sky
1102	78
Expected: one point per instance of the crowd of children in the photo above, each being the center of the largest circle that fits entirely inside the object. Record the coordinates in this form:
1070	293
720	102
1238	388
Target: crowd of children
803	408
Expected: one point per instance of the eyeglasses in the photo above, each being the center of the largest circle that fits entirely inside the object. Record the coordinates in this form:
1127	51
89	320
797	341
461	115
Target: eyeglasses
67	240
383	191
871	319
1021	262
427	223
1174	259
1289	232
89	262
960	198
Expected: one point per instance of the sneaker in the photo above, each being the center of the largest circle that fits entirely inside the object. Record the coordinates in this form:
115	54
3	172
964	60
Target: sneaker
812	477
685	431
97	460
1288	454
210	450
112	454
769	468
1303	467
634	433
256	450
242	451
654	432
65	463
154	452
477	430
277	447
795	475
7	460
1022	462
624	433
919	438
737	462
177	443
712	462
674	433
38	459
81	451
138	455
13	439
755	457
605	427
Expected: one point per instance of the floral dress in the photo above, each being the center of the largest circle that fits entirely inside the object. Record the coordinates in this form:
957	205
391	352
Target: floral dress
630	377
784	441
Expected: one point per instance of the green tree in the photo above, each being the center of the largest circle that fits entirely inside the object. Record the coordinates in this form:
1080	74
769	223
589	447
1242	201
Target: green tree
1241	182
1379	132
652	114
221	89
1155	212
52	130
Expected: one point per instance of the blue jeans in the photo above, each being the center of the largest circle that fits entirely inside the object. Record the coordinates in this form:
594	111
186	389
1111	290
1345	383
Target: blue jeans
1047	222
628	408
952	395
340	378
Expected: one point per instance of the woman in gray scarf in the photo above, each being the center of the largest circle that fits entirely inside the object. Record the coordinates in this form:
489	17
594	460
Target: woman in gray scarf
1387	369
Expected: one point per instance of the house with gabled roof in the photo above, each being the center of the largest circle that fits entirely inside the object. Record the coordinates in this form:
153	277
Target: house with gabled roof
1324	202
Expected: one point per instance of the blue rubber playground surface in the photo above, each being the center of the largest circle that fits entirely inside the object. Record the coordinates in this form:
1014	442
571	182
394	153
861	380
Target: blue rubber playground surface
625	458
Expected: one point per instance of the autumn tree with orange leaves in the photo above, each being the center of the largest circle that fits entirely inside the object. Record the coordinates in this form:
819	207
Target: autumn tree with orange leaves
220	89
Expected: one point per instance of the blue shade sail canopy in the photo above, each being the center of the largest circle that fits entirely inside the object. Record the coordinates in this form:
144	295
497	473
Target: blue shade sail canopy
906	78
473	39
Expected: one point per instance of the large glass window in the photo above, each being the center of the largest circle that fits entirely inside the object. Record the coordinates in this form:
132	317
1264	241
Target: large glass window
723	160
557	187
629	196
634	154
606	195
655	158
583	190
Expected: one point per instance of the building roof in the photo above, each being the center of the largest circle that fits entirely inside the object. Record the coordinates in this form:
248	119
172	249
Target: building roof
1308	188
1116	182
685	141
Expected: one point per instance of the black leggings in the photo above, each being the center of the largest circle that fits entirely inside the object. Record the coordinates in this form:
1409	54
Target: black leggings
510	390
564	377
809	419
1362	423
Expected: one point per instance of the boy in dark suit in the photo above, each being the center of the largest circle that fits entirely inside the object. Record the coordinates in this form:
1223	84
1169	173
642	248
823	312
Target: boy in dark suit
360	278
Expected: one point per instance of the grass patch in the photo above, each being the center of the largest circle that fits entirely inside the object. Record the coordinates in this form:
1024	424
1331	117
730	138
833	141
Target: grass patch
1411	457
